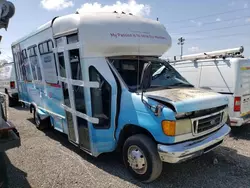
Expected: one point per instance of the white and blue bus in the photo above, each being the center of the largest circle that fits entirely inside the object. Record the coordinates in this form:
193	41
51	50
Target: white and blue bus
98	78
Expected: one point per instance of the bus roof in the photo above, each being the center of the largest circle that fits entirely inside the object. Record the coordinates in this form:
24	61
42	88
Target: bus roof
110	34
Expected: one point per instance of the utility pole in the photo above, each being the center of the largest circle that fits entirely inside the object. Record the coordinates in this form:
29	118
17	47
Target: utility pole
181	42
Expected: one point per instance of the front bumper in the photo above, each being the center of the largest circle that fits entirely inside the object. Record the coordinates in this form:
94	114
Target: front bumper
183	151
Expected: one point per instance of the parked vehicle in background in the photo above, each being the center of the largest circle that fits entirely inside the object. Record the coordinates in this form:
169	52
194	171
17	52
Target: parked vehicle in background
90	76
9	137
8	82
224	71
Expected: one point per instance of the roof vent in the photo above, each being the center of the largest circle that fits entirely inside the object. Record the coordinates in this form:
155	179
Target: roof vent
123	13
130	14
114	12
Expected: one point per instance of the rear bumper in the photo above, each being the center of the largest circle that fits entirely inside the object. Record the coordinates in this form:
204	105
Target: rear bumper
181	152
237	122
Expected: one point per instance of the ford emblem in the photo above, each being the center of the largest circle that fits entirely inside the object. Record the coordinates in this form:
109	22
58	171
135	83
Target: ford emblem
213	122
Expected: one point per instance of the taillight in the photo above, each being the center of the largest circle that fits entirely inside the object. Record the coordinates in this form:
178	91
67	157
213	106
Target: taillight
237	101
12	85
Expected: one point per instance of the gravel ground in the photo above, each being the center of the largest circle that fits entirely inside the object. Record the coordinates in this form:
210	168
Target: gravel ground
47	159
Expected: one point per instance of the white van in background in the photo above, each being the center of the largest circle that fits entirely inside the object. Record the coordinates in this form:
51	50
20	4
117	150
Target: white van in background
224	71
8	82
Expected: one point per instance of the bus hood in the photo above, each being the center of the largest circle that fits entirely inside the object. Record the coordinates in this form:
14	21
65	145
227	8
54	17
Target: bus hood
189	99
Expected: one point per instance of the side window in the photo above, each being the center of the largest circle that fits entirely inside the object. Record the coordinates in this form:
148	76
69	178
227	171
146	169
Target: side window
40	46
21	66
48	61
50	46
45	47
100	99
79	98
72	38
76	74
62	68
35	67
25	66
59	41
75	64
66	94
17	65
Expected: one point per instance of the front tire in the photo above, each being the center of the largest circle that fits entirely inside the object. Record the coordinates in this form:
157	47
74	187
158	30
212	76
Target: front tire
141	158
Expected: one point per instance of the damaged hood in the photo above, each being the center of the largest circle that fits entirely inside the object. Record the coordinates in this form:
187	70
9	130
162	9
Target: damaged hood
189	99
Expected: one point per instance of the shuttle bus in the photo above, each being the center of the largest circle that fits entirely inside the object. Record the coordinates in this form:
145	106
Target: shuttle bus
98	78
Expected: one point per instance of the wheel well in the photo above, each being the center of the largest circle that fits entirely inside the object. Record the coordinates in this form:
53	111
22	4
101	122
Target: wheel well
130	130
32	106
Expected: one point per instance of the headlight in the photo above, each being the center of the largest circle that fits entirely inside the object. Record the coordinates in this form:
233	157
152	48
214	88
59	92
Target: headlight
179	127
225	115
183	115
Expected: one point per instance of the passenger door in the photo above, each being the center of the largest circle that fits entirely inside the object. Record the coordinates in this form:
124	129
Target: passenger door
71	78
102	104
65	77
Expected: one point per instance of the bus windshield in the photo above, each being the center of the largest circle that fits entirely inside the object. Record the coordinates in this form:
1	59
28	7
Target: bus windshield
163	74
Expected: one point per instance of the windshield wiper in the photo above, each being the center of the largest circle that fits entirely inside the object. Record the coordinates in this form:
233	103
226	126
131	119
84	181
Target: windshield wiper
182	84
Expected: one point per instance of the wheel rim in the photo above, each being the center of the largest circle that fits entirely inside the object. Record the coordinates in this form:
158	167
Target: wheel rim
137	160
37	119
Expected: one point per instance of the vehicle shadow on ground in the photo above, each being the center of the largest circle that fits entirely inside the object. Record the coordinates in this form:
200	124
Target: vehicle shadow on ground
20	108
16	177
223	167
242	132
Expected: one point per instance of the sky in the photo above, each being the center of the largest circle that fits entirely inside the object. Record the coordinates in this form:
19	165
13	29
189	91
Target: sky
205	25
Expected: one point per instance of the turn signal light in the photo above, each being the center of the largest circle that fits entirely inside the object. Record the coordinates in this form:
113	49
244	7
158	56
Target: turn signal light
168	127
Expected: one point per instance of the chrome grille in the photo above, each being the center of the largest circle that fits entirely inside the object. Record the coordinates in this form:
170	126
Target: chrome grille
206	123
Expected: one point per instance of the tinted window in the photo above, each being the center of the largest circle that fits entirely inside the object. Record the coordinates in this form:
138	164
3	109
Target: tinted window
48	62
61	65
24	54
83	133
59	41
50	45
66	94
40	46
100	99
25	66
27	69
35	66
45	47
76	71
70	124
79	99
72	38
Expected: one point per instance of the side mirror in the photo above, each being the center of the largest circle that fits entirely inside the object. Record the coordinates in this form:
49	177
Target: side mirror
146	76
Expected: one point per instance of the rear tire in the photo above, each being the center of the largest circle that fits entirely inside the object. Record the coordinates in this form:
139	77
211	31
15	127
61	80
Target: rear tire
40	124
12	102
141	158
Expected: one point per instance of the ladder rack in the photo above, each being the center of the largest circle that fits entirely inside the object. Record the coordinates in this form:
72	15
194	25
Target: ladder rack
232	52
